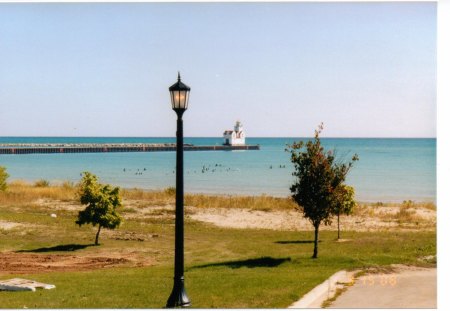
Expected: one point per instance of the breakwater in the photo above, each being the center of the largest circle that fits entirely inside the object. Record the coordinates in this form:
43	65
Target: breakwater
90	148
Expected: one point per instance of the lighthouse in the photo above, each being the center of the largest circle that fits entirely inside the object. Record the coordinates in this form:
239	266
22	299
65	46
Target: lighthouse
235	137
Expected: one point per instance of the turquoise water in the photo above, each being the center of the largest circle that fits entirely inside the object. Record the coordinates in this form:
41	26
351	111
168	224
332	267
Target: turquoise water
388	169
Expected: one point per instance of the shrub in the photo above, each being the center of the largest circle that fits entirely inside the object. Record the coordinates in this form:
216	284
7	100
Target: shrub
68	185
408	204
170	191
3	177
42	183
102	202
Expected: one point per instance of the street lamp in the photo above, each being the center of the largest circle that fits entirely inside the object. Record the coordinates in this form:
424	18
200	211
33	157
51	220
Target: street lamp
179	95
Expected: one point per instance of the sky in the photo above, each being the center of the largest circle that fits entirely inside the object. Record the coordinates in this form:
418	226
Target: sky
103	69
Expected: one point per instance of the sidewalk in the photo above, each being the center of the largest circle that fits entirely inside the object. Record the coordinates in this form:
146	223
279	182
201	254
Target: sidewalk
324	291
408	287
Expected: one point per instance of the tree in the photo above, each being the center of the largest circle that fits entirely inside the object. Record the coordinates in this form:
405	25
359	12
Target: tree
317	177
3	177
102	202
343	203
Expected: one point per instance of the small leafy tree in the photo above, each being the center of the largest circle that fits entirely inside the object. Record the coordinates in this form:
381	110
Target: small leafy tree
3	177
343	203
317	177
102	202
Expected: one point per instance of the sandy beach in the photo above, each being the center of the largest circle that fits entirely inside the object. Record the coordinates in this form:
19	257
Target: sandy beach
365	218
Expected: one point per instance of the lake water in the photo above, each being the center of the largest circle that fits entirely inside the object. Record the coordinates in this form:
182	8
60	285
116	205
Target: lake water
389	169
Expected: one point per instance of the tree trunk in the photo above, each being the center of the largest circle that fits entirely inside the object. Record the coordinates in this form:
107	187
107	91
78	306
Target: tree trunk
98	233
339	228
316	240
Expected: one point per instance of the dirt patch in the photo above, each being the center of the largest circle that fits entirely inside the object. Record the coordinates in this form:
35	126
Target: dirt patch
343	240
8	225
130	236
56	205
24	263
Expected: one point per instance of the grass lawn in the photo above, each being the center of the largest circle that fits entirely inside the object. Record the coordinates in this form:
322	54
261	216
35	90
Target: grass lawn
224	268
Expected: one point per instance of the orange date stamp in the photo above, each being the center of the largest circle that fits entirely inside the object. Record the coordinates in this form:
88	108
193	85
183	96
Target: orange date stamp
382	280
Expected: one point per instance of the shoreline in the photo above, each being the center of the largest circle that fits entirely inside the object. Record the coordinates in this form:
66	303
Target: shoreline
218	194
228	211
382	201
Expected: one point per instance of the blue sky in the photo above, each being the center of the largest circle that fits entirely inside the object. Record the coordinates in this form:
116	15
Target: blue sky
364	69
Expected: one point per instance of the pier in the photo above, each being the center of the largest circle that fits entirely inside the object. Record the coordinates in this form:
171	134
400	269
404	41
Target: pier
97	148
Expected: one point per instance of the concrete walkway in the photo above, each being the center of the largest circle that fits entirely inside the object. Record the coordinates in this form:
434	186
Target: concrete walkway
407	287
324	291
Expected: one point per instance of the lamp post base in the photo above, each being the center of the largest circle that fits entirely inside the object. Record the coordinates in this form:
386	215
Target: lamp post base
178	297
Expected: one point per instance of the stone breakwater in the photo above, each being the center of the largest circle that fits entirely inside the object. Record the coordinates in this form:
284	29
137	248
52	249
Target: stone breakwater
90	148
64	145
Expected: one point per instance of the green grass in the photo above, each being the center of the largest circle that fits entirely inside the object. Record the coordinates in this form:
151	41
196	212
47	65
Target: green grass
224	268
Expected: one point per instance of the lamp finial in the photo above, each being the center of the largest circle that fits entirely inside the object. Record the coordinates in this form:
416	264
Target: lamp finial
179	79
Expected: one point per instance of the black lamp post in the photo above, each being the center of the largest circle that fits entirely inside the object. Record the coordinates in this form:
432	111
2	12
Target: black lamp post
179	95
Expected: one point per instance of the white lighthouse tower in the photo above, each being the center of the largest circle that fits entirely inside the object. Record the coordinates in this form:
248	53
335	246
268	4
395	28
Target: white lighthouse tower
236	137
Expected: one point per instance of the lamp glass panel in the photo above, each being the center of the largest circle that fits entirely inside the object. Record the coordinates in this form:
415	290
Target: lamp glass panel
182	99
176	99
172	98
179	99
187	100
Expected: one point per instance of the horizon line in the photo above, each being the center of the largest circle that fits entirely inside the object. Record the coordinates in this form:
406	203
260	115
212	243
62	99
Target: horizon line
333	137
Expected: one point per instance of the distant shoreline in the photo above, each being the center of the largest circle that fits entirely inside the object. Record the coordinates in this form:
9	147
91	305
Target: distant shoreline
375	202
